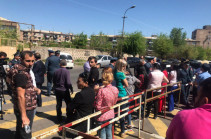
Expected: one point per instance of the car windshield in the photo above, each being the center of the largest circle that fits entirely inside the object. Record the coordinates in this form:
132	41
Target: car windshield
99	57
65	57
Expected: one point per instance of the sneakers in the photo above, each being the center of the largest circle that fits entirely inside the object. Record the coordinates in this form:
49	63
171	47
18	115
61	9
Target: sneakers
129	128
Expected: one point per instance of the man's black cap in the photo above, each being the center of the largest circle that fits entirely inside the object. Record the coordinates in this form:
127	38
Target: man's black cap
57	52
50	51
206	67
17	54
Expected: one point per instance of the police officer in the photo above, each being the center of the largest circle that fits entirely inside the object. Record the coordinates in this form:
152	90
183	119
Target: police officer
57	53
51	64
184	76
15	60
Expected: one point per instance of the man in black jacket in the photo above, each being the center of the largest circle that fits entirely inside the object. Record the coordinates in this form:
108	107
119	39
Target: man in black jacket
94	73
39	72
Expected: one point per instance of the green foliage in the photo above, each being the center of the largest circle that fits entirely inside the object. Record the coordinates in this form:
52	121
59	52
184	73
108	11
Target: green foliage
80	41
66	44
100	42
134	44
20	47
178	37
208	53
188	52
162	46
8	33
202	53
80	60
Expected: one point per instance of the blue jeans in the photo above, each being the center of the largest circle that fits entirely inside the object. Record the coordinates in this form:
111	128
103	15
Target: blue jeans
106	132
122	120
171	98
49	82
49	87
128	117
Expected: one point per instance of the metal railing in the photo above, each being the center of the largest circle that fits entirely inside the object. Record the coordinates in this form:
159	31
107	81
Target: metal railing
135	107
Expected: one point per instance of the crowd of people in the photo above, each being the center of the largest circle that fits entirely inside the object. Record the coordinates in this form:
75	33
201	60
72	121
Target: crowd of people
26	75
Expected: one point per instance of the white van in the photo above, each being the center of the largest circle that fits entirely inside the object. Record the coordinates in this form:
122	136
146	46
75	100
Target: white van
68	58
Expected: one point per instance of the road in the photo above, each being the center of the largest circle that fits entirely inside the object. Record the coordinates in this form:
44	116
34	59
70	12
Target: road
45	118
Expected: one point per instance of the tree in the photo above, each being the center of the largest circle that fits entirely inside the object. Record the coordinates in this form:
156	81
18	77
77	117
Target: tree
80	40
202	53
188	52
162	46
178	37
100	42
134	44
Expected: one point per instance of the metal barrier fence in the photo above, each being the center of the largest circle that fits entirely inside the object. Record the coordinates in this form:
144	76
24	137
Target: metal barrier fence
137	106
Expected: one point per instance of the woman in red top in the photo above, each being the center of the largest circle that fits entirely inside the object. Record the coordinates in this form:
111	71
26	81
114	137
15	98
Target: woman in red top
162	99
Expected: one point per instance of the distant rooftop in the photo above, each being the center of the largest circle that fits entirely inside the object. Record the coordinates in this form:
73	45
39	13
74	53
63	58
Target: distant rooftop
45	31
4	19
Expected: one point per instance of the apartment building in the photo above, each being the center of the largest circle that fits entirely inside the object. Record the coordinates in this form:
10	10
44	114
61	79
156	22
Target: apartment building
203	36
11	25
40	36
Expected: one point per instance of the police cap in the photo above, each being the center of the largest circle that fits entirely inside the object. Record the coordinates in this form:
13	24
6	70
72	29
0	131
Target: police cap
50	51
57	52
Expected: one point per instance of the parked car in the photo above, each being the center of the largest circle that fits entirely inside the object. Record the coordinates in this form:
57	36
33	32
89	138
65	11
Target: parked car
103	60
132	61
68	58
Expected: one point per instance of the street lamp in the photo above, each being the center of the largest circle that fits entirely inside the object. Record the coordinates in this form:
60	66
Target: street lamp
124	23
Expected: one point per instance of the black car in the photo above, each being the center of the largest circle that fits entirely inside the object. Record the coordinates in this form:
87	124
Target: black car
132	61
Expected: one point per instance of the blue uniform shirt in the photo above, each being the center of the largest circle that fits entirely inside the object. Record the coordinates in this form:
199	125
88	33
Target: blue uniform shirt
52	63
202	77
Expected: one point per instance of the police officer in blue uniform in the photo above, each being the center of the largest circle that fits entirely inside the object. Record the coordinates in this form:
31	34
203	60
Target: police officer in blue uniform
51	64
184	76
15	60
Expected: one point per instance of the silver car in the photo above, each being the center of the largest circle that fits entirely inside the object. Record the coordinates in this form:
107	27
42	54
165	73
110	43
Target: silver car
103	60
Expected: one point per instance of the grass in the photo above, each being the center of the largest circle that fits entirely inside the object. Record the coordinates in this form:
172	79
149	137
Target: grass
79	62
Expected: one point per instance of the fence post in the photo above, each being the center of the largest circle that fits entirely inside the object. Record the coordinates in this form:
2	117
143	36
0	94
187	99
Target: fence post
165	102
145	101
179	97
118	110
88	125
64	132
139	118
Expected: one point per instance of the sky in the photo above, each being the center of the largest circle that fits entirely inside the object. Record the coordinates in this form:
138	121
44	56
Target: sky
151	17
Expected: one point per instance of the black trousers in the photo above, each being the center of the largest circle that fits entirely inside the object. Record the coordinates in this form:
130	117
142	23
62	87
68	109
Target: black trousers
185	91
20	131
60	95
39	98
155	102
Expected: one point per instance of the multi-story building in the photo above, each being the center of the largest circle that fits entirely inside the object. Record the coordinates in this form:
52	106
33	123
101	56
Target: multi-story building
203	36
10	25
40	36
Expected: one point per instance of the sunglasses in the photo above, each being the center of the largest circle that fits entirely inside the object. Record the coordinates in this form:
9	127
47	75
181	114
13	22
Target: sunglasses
30	61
